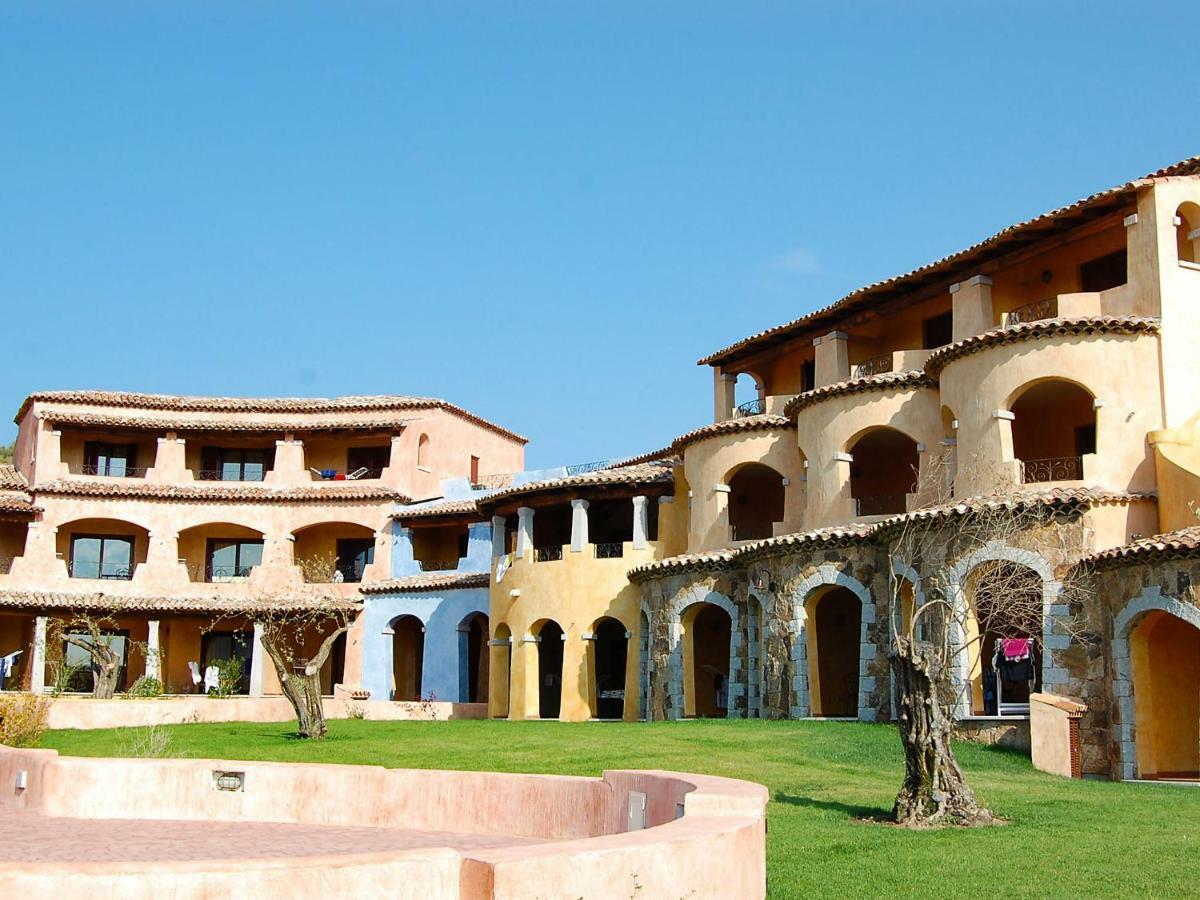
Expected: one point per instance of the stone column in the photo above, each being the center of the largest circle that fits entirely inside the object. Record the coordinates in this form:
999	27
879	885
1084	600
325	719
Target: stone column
153	655
37	671
579	525
832	359
499	536
641	523
256	662
972	304
723	388
524	531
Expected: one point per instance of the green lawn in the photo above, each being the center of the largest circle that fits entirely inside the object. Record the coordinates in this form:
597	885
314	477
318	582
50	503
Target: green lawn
1066	838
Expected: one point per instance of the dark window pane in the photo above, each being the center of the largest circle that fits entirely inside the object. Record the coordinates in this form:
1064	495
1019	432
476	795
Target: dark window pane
85	557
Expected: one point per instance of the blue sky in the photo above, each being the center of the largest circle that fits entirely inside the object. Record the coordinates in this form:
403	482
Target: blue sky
545	212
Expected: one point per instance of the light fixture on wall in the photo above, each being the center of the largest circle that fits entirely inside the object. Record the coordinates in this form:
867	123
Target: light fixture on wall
229	781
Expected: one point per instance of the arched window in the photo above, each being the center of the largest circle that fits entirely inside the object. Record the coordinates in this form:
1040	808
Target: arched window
1187	232
749	395
1053	429
755	502
423	451
883	472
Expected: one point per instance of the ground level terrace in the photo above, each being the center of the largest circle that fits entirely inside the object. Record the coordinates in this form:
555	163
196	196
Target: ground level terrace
1074	838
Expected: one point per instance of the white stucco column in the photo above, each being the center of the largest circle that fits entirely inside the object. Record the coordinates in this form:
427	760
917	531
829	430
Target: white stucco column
153	661
524	530
37	678
499	536
256	662
641	523
579	525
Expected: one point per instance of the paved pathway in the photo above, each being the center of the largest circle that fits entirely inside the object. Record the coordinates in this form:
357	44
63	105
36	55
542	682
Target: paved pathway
32	838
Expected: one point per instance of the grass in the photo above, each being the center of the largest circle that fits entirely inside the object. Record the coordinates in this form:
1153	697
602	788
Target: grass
1065	838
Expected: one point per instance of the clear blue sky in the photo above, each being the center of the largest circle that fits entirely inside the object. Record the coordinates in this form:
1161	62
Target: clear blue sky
545	212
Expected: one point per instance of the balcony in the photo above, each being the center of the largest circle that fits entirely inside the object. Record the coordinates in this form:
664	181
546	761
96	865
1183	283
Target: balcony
226	574
108	572
880	505
1066	306
1057	468
750	408
548	554
113	471
610	550
877	365
438	565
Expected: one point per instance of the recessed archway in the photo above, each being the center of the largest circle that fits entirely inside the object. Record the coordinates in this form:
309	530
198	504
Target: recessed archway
1004	603
1165	661
709	632
833	644
610	658
1187	232
473	658
883	472
500	674
550	669
408	652
756	501
1053	428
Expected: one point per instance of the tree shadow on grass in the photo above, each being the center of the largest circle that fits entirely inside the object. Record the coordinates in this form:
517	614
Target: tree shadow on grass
849	810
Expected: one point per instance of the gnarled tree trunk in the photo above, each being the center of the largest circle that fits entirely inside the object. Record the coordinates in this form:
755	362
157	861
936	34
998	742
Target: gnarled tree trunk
935	790
303	689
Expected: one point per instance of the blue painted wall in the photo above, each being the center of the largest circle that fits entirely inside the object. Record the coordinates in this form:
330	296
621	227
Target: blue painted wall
441	612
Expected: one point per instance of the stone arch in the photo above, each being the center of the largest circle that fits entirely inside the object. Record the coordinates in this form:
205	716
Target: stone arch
1053	677
828	575
675	667
1151	599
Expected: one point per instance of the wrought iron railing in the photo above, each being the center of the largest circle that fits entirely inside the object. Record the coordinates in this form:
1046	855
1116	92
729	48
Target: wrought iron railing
1058	468
875	366
610	550
584	468
754	407
881	505
227	573
493	482
439	565
111	471
80	569
1033	312
547	554
219	475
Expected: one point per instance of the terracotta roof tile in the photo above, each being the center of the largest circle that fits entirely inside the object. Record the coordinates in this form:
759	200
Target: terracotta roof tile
440	508
430	581
954	265
11	479
1181	544
223	493
712	561
311	405
16	502
160	603
1030	331
166	423
764	422
645	473
884	381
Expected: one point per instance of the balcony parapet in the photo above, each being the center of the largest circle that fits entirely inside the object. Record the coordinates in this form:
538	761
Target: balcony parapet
1038	330
222	492
887	381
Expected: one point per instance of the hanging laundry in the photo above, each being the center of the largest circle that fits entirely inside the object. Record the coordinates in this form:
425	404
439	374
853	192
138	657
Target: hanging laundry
1015	648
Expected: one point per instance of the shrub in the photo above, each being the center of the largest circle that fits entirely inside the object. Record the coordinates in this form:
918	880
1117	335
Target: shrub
229	677
151	742
145	686
22	719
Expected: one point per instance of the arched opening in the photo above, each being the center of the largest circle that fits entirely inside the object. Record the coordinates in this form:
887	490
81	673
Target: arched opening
755	502
1053	428
550	669
1165	655
1003	627
883	472
1187	232
408	656
643	666
423	451
334	552
102	549
709	630
749	395
499	681
610	657
833	644
220	552
473	662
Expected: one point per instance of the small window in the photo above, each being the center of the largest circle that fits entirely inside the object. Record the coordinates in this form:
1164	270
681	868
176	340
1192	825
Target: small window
222	464
808	375
1104	272
464	541
114	460
474	470
102	556
938	331
373	459
230	559
423	451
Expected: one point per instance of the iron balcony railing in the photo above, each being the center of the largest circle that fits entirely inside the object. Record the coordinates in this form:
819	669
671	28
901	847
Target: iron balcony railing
584	468
219	475
111	471
750	408
1057	468
227	573
79	569
493	482
547	554
439	565
1033	312
881	505
610	550
875	366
